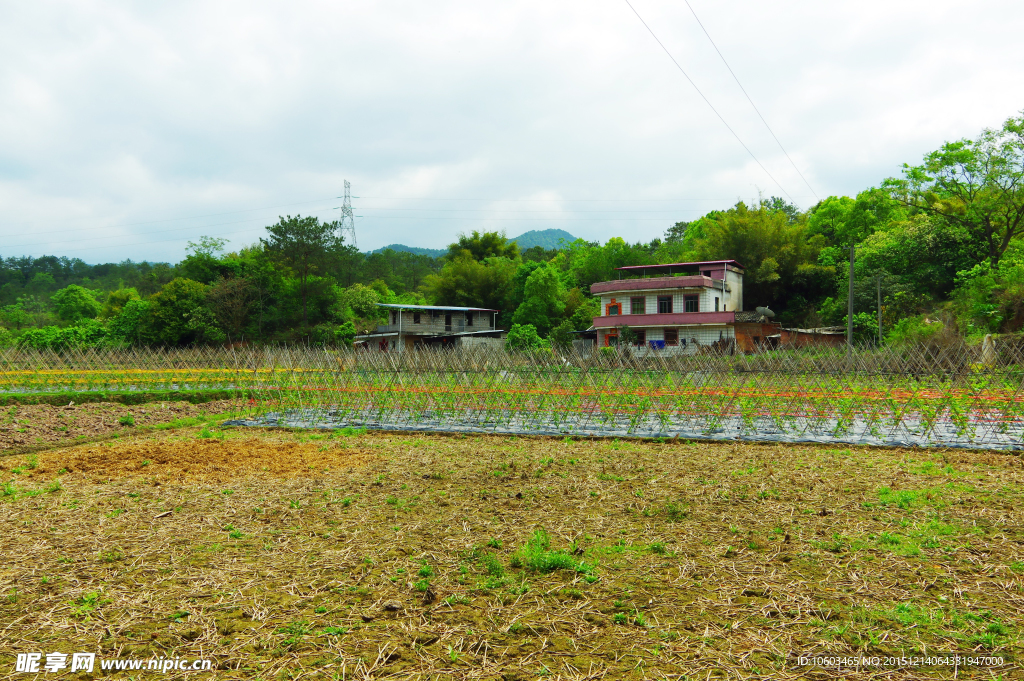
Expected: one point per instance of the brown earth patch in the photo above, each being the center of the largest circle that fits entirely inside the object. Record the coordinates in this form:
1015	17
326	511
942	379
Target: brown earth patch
194	460
31	427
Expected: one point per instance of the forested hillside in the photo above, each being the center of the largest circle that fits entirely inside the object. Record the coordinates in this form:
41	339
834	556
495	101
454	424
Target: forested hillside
942	241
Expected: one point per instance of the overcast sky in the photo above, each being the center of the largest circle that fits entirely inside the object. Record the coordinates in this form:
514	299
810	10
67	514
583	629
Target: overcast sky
129	128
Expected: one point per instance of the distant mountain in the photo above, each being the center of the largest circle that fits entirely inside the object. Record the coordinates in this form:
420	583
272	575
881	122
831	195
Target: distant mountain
415	250
545	238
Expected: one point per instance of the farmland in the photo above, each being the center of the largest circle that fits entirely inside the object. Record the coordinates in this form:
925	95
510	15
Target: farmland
910	396
354	554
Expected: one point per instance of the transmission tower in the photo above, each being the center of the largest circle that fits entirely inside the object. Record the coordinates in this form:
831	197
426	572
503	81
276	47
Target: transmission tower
347	226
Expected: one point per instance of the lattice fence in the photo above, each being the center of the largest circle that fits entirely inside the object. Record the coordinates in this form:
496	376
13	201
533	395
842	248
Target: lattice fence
951	396
947	396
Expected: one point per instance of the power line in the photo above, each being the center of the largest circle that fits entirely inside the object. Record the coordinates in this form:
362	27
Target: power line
404	198
189	217
140	243
751	100
480	219
706	100
111	238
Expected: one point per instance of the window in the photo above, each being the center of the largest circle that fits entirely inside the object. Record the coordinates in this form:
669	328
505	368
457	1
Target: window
716	303
664	304
469	317
415	317
434	314
641	338
691	303
613	309
707	273
671	337
637	305
611	339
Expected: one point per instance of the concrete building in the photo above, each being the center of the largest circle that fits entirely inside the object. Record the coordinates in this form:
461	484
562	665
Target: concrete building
679	308
411	327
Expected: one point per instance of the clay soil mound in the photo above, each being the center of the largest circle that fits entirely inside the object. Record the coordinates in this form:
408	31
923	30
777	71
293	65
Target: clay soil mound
201	460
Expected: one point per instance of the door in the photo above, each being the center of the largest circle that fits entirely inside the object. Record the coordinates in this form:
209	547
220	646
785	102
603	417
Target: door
448	322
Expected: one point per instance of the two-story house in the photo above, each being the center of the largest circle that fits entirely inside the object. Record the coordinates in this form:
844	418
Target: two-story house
677	307
415	326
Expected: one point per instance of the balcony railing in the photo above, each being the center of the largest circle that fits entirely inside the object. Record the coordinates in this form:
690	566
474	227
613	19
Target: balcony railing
432	327
669	319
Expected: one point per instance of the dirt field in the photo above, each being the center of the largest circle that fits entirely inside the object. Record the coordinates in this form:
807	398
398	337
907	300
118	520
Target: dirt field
33	427
355	556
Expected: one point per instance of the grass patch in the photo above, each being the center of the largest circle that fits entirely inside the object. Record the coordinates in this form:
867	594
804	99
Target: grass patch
536	555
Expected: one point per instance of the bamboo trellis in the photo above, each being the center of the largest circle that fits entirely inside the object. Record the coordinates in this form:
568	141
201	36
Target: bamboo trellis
927	395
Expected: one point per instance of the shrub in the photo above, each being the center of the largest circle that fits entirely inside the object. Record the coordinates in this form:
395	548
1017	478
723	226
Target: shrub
914	330
525	337
323	334
86	333
345	334
132	325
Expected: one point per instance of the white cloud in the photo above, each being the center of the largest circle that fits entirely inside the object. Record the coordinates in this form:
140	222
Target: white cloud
130	128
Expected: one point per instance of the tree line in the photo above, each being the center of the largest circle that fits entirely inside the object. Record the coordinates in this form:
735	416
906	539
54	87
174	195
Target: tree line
942	243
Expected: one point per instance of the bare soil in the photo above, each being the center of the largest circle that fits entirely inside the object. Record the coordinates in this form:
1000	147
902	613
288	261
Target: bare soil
32	427
376	555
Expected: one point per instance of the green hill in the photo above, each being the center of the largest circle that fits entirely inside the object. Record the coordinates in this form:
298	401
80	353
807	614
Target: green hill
545	238
415	250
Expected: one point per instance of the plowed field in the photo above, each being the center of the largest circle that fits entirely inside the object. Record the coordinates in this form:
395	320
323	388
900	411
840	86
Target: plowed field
374	555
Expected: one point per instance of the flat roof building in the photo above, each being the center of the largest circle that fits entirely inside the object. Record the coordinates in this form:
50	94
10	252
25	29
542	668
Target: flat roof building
679	307
415	326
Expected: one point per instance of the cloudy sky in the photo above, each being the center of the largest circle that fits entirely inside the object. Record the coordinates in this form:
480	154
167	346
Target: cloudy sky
129	128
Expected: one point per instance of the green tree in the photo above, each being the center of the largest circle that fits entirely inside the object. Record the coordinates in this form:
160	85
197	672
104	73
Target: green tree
116	300
544	301
471	283
306	246
676	233
345	334
587	262
990	299
562	335
360	304
231	300
203	263
779	257
923	252
133	324
976	184
15	316
179	313
480	247
846	222
40	283
75	302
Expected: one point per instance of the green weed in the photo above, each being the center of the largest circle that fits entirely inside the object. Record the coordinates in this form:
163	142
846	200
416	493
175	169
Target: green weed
536	555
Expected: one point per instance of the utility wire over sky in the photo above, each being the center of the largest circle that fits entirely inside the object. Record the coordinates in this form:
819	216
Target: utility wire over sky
706	100
744	90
